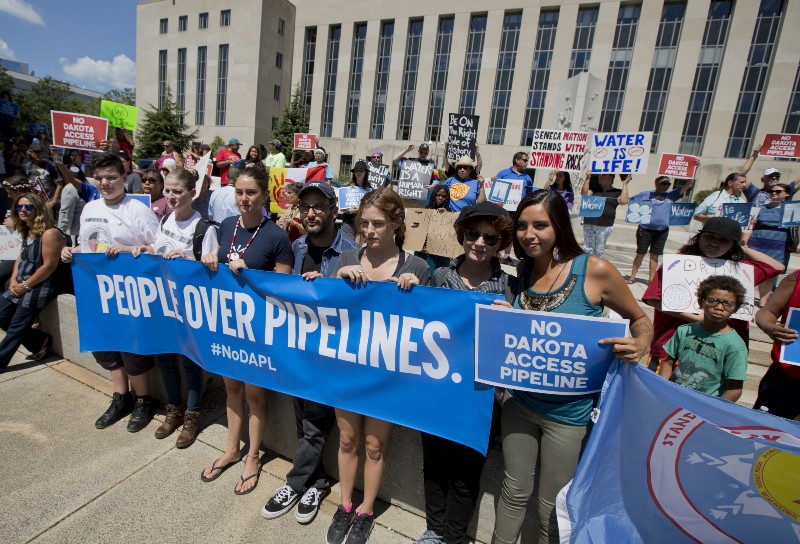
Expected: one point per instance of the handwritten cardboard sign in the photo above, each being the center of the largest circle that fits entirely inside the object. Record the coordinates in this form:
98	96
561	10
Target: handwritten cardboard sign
592	206
462	136
558	150
620	152
10	244
377	175
781	145
414	176
304	141
744	213
683	273
677	166
432	231
77	130
417	221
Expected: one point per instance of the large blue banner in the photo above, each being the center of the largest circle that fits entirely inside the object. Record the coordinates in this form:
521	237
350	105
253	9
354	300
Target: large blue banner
667	464
400	357
543	352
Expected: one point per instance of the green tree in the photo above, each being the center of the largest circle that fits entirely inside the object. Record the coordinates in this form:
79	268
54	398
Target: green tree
216	144
159	124
6	81
294	119
126	95
45	95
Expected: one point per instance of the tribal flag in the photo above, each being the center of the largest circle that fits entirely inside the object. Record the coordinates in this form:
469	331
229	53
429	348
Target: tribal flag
667	464
278	178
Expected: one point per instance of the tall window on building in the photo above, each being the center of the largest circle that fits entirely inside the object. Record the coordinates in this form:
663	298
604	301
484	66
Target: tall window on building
276	92
791	125
441	63
180	88
331	66
472	64
540	74
583	40
655	100
354	85
163	26
307	78
222	84
706	76
619	67
202	21
162	77
279	60
345	165
506	60
225	17
183	23
200	102
754	79
381	79
281	27
410	72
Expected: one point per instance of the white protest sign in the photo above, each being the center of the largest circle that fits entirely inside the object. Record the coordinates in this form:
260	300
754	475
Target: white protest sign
414	176
558	150
620	152
10	244
683	273
203	168
506	193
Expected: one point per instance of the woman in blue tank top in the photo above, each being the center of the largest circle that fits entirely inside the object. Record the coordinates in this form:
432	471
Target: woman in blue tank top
555	275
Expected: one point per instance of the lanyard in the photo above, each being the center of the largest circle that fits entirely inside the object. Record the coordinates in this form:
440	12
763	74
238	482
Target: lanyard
232	255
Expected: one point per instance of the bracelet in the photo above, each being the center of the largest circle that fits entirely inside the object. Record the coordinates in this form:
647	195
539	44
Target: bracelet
25	285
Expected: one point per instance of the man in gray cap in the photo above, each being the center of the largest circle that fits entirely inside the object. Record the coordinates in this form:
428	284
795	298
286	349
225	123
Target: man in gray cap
771	177
275	158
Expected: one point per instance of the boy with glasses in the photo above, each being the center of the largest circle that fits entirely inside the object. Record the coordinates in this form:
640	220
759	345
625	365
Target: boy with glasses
709	356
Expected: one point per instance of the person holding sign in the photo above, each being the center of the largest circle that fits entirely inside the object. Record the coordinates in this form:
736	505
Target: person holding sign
30	288
653	236
720	238
560	182
379	174
713	358
382	258
115	224
597	230
779	390
769	236
465	188
734	190
424	150
360	179
555	275
252	241
483	230
516	172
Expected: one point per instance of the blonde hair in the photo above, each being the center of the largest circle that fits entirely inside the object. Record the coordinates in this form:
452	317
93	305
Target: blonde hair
42	221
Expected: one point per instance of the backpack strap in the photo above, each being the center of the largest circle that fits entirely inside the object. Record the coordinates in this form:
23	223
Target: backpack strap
199	234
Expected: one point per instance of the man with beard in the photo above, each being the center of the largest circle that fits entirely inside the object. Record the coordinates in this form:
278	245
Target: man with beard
315	255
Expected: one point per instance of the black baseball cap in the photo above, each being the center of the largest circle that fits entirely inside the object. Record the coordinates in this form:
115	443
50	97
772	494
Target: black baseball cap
321	186
424	147
488	210
723	226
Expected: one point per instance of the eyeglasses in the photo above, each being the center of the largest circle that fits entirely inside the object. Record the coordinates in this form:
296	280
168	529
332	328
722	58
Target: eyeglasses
27	207
377	157
714	302
488	239
318	208
523	159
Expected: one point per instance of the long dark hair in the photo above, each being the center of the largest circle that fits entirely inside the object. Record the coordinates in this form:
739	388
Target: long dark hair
557	211
567	182
736	253
432	199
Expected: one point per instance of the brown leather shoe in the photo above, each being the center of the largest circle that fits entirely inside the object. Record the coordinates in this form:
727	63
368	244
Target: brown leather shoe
172	422
191	426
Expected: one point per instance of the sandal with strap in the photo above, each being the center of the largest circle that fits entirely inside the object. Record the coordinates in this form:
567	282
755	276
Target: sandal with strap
215	468
243	480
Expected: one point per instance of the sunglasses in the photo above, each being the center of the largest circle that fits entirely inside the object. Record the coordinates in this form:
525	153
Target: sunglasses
775	192
150	180
488	239
26	207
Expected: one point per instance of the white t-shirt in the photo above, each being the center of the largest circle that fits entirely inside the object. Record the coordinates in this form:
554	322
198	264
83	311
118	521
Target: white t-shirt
130	223
174	234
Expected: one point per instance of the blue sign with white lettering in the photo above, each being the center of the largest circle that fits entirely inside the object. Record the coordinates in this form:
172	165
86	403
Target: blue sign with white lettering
543	352
791	214
34	128
681	214
403	357
738	211
592	206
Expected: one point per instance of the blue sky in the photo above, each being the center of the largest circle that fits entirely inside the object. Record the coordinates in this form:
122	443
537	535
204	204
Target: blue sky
89	43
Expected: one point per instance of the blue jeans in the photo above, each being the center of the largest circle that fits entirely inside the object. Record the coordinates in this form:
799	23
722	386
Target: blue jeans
171	376
17	321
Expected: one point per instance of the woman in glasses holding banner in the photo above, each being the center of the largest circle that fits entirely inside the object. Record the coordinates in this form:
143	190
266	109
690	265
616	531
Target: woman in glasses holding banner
555	275
380	220
769	237
483	230
249	240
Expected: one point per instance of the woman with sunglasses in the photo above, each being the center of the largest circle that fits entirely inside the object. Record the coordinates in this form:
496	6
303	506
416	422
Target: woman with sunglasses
30	288
153	185
555	275
483	231
769	237
247	241
720	238
380	219
466	189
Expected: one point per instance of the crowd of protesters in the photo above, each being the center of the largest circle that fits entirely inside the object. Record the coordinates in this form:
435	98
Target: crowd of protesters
69	206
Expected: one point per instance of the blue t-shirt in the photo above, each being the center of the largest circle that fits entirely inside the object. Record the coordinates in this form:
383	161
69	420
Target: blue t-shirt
88	192
463	193
525	179
662	207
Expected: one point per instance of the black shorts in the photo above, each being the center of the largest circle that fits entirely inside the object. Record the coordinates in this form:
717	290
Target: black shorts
779	393
133	364
653	239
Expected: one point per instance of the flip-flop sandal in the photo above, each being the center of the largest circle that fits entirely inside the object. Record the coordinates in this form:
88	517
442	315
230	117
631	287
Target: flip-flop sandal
245	480
631	281
215	468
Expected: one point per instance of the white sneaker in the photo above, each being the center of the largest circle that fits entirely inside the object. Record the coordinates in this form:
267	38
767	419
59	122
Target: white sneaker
280	503
309	505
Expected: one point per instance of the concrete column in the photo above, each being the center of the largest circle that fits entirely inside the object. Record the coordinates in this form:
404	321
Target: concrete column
559	65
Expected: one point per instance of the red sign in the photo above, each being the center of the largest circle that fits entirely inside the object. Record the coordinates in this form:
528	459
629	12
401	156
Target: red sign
781	145
305	141
677	166
78	131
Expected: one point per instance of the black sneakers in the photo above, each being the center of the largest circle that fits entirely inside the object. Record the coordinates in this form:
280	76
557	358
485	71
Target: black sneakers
309	505
342	520
121	406
362	527
142	414
280	503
